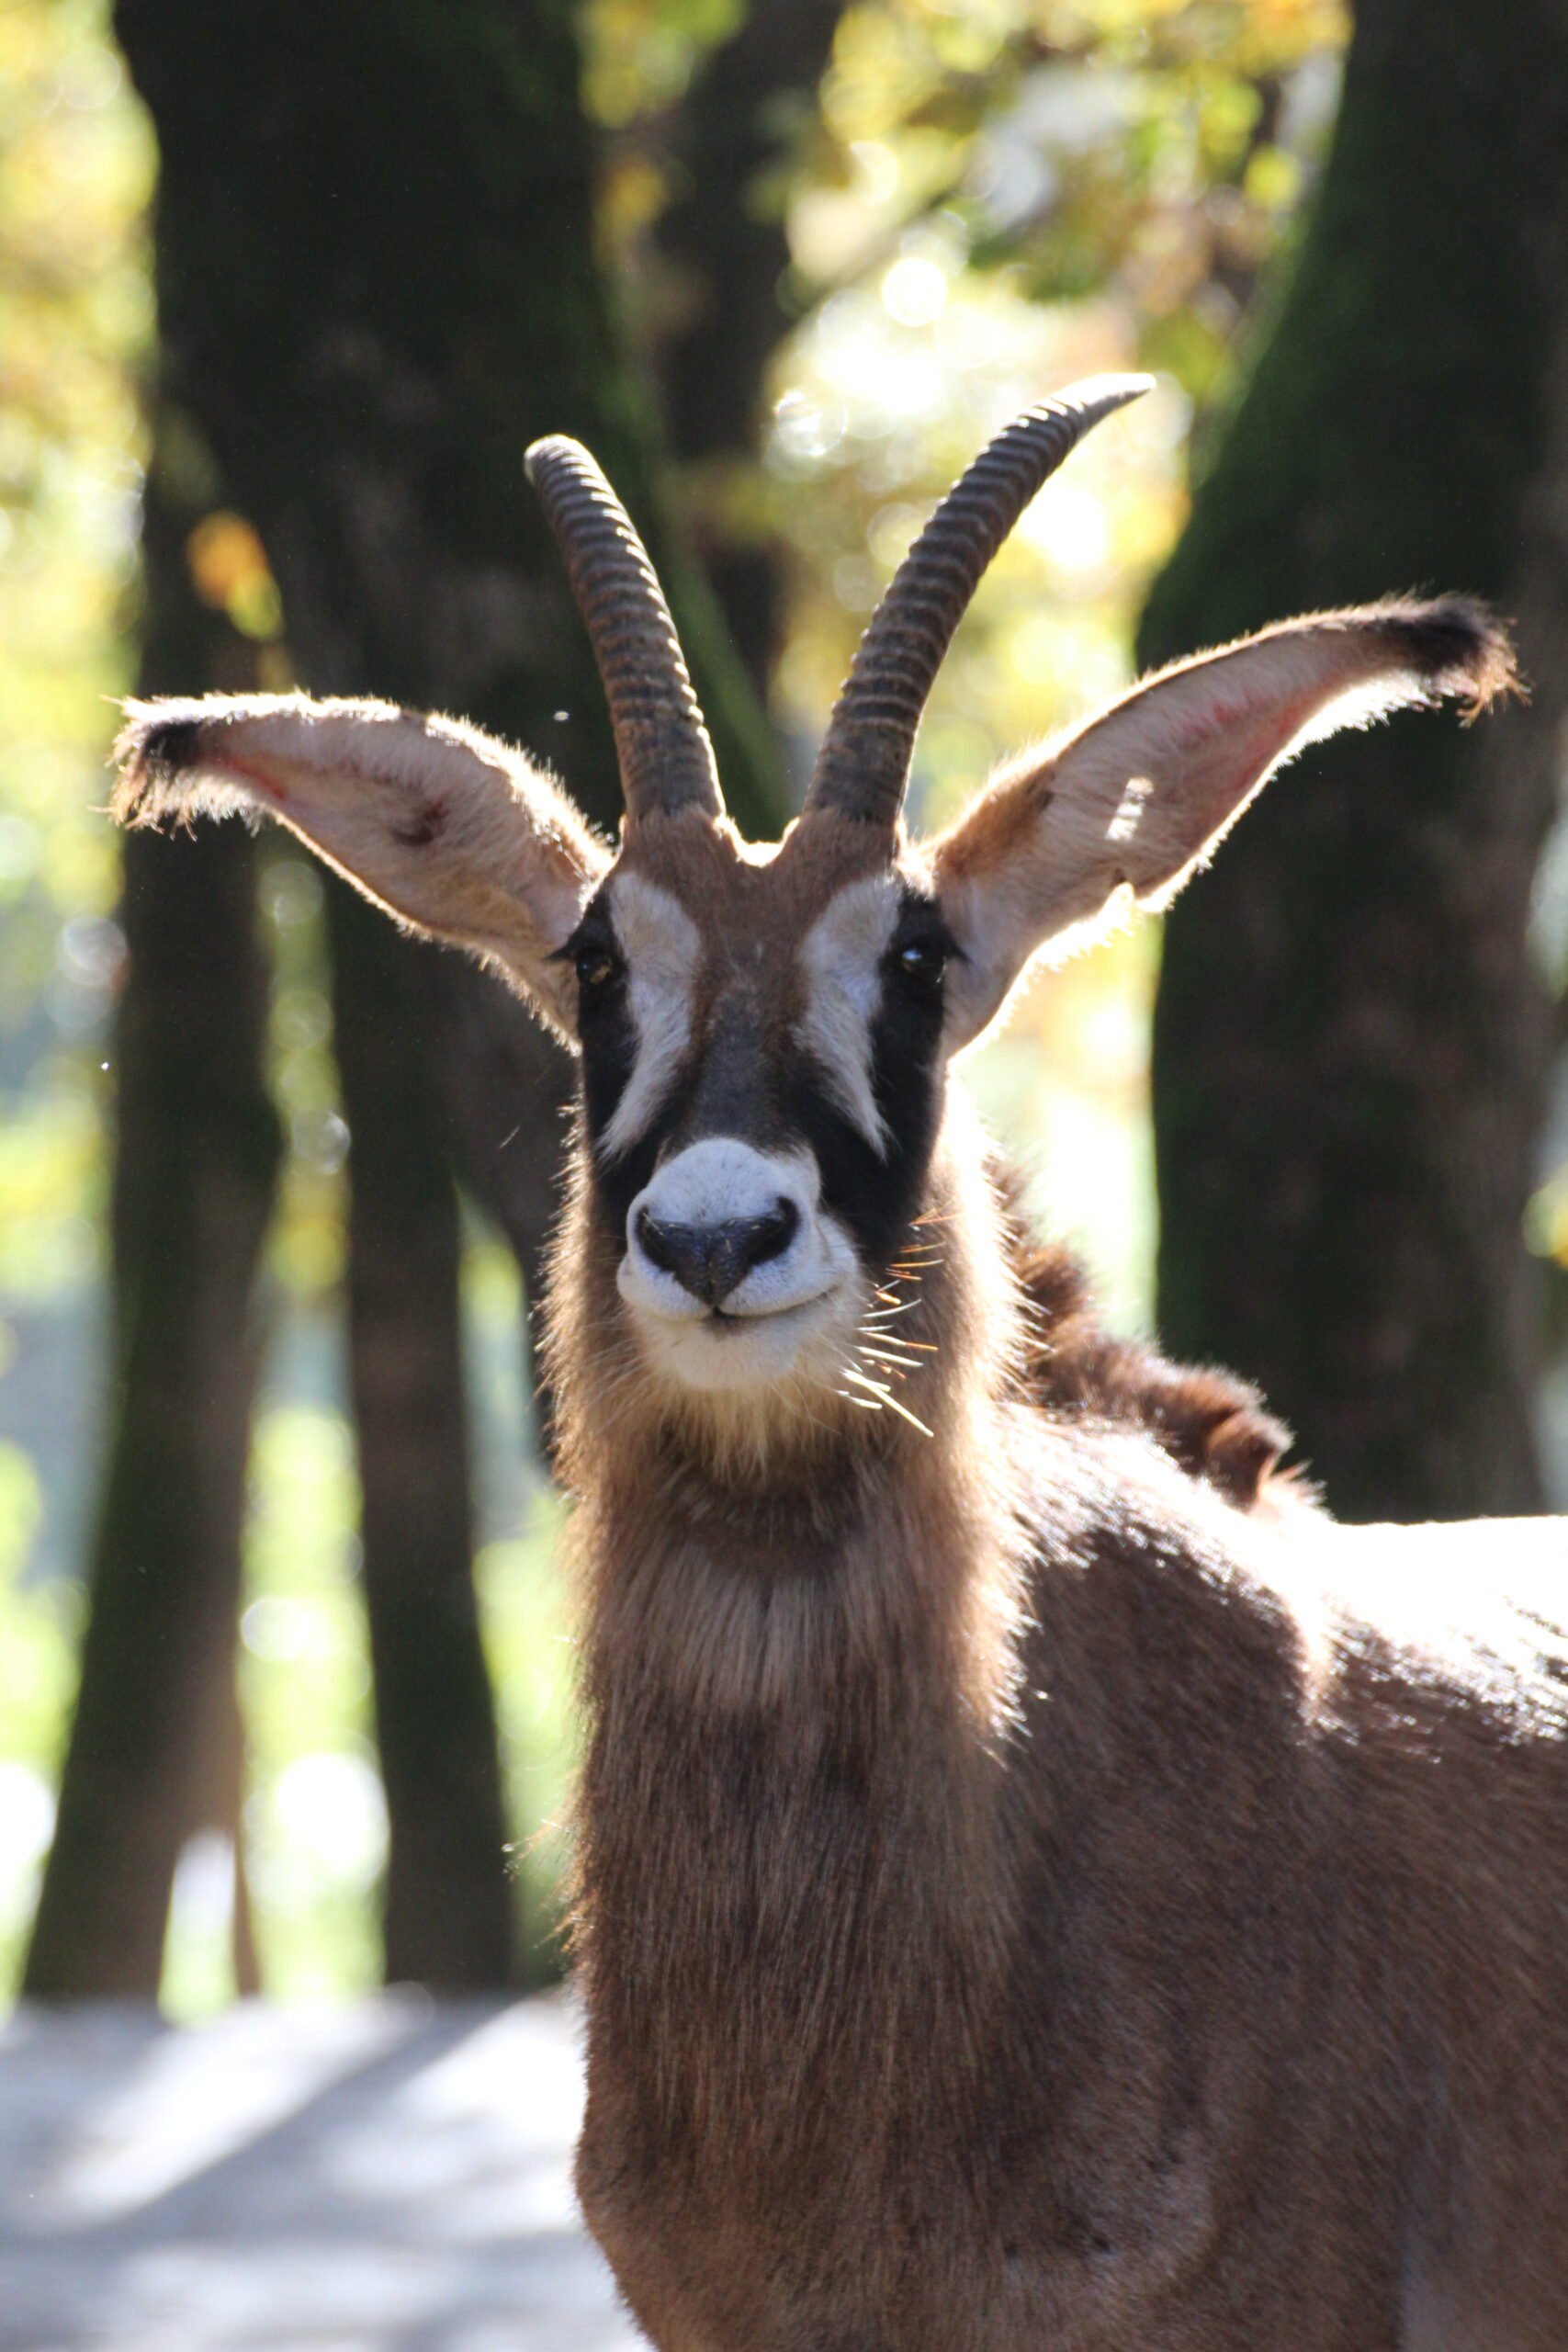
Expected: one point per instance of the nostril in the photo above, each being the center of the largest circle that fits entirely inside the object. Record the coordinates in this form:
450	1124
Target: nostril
770	1237
659	1243
696	1255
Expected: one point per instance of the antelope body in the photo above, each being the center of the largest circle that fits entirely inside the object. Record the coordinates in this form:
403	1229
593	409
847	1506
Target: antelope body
1040	1882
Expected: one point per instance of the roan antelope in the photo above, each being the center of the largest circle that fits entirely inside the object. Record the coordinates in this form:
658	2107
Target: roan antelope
1040	1881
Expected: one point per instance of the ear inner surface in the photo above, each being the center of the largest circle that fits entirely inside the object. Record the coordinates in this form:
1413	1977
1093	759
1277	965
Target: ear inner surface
454	833
1143	794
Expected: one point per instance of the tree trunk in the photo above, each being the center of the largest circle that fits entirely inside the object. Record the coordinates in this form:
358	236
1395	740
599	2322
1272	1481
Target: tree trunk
377	244
1351	1045
197	1159
506	1091
382	217
448	1916
726	242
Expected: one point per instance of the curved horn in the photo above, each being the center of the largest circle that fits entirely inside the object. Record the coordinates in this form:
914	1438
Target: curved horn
864	764
662	743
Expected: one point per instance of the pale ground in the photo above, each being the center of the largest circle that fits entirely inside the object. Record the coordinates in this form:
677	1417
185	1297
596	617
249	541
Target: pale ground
385	2177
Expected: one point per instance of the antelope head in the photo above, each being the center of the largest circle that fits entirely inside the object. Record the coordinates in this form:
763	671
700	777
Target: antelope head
764	1030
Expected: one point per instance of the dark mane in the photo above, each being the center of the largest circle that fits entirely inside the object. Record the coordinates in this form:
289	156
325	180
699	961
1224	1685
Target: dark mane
1214	1425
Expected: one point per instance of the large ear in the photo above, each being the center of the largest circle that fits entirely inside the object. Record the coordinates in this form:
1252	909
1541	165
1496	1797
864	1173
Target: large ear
453	832
1140	796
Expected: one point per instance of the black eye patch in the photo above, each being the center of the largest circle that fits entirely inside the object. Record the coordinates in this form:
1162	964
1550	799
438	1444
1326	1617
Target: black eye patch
608	1039
875	1193
605	1025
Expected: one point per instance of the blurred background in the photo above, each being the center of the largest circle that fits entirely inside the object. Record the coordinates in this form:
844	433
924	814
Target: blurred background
284	289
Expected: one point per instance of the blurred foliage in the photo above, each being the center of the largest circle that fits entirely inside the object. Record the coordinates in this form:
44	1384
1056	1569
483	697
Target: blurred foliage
75	313
315	1826
528	1640
308	1245
997	196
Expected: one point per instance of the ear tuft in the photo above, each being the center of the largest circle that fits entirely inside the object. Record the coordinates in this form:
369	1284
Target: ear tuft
164	750
159	753
1456	646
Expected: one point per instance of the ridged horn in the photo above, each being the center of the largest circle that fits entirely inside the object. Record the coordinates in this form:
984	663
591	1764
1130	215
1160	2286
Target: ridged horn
864	764
661	742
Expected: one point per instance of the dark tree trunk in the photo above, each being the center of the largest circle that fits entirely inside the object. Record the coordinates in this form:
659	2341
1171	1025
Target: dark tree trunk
380	235
506	1089
378	284
1351	1045
725	237
447	1902
196	1158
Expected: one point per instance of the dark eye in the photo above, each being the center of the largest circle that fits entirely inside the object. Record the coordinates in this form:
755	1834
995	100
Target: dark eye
596	967
922	963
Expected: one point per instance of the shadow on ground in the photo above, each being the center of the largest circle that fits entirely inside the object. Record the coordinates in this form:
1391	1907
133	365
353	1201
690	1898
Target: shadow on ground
388	2178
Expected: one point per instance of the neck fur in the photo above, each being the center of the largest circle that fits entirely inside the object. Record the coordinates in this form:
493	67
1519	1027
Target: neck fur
749	1574
800	1668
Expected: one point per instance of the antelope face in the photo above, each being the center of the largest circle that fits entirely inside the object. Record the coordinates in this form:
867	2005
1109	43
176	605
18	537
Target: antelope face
763	1031
761	1035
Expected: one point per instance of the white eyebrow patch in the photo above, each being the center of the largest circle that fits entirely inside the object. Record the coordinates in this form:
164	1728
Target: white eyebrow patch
842	956
662	947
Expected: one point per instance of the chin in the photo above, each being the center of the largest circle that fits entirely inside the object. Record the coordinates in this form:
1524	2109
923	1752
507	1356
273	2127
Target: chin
747	1359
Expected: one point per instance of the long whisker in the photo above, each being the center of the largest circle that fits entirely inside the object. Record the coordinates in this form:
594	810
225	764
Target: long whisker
886	1397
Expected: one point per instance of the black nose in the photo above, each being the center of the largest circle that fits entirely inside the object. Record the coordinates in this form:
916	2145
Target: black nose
710	1261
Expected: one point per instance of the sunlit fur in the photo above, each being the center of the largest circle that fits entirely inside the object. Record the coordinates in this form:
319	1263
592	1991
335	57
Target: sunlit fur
1040	1884
827	1914
451	832
664	951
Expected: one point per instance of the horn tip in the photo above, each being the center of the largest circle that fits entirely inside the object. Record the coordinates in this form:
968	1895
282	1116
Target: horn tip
1105	392
548	452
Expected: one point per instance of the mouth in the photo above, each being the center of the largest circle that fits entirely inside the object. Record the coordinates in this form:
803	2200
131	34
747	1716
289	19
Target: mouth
679	1310
731	1350
720	1319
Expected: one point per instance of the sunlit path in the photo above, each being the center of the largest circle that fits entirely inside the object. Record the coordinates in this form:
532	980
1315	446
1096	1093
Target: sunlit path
385	2177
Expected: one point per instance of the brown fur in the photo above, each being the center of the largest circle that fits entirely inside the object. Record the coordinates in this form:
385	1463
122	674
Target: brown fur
1040	1883
1020	1903
1021	1900
1212	1425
